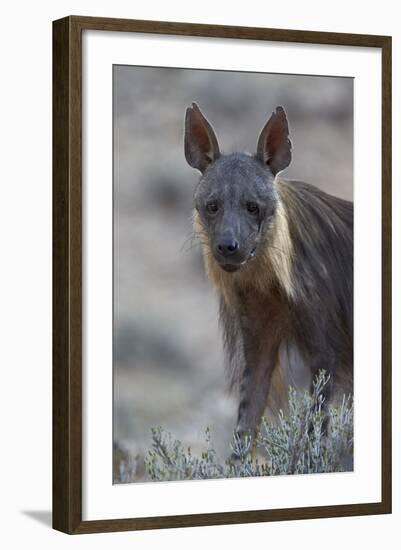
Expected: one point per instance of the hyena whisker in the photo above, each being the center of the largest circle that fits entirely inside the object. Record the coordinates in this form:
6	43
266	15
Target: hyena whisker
266	245
194	246
193	240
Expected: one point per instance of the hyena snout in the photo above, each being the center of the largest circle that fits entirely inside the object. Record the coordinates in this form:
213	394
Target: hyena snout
227	246
230	254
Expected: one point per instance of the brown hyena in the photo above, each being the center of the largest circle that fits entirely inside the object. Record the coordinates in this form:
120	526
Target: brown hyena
280	254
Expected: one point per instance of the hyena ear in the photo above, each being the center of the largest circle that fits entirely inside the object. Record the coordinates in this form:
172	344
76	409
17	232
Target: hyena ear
201	147
274	145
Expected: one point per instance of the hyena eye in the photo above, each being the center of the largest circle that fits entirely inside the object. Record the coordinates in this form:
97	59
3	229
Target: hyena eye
212	207
252	207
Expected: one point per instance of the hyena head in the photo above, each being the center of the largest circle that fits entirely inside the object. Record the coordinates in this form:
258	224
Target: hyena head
236	199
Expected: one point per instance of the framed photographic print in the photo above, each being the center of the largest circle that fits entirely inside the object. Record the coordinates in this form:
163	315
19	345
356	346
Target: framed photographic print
221	274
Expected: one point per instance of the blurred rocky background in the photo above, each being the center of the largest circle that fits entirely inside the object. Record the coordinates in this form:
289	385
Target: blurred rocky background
168	365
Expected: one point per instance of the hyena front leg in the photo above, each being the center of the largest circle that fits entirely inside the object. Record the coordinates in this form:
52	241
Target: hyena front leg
259	363
254	389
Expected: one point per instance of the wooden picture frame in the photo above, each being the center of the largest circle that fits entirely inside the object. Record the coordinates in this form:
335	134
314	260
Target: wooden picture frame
67	273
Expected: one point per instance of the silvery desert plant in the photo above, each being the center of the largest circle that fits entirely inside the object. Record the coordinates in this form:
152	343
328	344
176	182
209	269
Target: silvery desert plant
310	438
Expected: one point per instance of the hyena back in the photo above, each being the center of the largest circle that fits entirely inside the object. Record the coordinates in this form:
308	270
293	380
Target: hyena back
280	254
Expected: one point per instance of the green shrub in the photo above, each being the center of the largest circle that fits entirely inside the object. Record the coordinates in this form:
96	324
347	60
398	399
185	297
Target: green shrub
309	439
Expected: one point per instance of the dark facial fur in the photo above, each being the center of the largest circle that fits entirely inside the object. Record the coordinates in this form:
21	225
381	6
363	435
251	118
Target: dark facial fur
280	254
235	200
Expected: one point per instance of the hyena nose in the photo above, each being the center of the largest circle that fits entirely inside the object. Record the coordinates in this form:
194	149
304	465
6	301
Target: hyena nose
227	246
